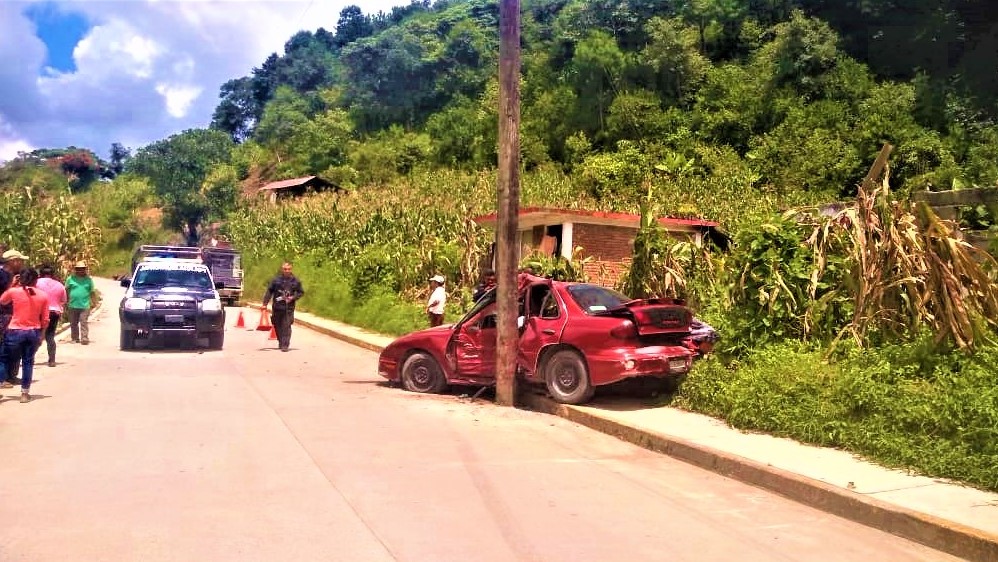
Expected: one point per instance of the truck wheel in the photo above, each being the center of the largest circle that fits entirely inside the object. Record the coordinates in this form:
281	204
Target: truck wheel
127	339
567	378
216	340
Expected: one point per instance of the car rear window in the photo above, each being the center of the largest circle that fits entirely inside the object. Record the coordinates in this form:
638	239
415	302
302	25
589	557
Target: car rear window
594	299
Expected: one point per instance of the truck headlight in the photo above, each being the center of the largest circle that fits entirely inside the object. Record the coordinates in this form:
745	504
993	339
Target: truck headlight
211	305
136	303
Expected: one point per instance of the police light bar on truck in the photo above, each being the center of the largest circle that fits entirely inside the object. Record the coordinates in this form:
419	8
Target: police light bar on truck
160	259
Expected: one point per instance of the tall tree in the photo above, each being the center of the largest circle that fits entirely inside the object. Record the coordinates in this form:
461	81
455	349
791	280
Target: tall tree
238	111
598	67
177	167
352	25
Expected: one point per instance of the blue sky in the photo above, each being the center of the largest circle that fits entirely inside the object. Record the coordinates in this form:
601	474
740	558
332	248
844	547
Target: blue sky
60	31
89	73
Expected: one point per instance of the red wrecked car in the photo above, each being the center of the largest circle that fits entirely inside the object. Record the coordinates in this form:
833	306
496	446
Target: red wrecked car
573	338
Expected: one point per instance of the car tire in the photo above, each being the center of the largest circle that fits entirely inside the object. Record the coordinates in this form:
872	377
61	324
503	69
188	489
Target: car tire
421	373
127	339
567	378
216	340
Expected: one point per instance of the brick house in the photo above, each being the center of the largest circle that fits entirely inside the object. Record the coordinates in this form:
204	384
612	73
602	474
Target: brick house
607	238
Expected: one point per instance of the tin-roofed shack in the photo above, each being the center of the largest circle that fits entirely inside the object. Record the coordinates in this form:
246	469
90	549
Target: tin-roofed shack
297	187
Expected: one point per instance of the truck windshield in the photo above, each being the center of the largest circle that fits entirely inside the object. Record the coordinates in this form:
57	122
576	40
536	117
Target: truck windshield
193	279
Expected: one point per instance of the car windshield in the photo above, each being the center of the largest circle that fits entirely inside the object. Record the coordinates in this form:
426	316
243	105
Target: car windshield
595	299
487	299
190	278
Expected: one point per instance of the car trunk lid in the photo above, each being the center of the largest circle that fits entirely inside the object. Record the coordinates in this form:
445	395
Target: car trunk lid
654	317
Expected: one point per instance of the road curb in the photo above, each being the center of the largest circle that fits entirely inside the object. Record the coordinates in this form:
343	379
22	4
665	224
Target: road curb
299	321
340	336
940	534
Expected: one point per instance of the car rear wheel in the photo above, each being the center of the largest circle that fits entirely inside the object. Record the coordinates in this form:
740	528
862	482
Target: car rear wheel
127	339
421	373
567	378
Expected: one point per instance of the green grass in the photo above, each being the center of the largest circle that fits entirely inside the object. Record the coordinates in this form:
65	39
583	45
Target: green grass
328	294
902	406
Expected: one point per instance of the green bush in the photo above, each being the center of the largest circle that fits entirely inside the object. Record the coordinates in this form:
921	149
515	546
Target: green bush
330	293
904	406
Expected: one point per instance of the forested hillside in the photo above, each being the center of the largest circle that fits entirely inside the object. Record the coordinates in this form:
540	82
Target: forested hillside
777	95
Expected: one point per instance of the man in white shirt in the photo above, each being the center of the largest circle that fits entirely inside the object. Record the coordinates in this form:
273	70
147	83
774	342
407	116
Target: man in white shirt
438	298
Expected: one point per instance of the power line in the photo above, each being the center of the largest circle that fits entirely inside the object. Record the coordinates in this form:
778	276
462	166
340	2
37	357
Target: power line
305	11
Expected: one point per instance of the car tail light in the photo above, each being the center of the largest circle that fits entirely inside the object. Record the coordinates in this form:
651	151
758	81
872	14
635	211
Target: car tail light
625	331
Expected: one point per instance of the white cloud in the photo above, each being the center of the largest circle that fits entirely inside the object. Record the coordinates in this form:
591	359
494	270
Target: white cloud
178	98
146	69
10	144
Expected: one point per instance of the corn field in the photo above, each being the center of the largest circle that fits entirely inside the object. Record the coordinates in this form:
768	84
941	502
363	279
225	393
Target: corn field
48	229
911	270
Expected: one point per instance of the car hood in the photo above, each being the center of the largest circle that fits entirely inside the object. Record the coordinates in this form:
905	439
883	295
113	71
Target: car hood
179	293
421	337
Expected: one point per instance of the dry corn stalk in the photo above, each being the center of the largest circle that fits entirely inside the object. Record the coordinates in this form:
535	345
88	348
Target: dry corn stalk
912	269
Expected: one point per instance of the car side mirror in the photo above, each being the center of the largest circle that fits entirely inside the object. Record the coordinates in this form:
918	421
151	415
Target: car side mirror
219	285
125	282
474	329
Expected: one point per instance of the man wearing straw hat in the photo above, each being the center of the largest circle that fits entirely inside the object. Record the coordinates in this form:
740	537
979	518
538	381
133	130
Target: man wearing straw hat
13	262
80	288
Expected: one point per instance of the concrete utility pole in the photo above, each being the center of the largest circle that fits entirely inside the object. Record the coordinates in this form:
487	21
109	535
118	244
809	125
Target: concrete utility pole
507	221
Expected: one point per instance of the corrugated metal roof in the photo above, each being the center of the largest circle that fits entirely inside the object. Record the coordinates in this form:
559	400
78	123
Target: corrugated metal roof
288	183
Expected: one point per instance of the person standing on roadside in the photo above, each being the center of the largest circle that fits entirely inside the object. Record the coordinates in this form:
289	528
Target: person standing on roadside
24	334
487	284
80	288
285	289
438	298
13	262
56	293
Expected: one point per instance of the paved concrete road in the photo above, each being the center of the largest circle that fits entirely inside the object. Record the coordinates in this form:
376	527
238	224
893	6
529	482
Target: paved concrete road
250	454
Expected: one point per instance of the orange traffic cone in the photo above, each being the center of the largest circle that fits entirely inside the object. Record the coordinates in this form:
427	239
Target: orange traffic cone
273	334
240	322
264	321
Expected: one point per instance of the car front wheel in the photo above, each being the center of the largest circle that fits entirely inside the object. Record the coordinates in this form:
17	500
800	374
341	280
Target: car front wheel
421	373
567	378
216	340
127	339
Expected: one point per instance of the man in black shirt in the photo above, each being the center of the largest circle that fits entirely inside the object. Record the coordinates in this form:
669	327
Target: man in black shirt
488	283
285	290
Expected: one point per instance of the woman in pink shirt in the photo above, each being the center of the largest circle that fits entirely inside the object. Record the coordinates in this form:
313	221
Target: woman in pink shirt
24	333
56	293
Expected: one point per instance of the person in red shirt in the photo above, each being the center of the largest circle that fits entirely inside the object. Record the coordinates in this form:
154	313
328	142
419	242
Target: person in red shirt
24	333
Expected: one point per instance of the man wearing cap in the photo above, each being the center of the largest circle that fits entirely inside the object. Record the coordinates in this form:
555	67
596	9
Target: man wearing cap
13	262
80	288
438	298
285	290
